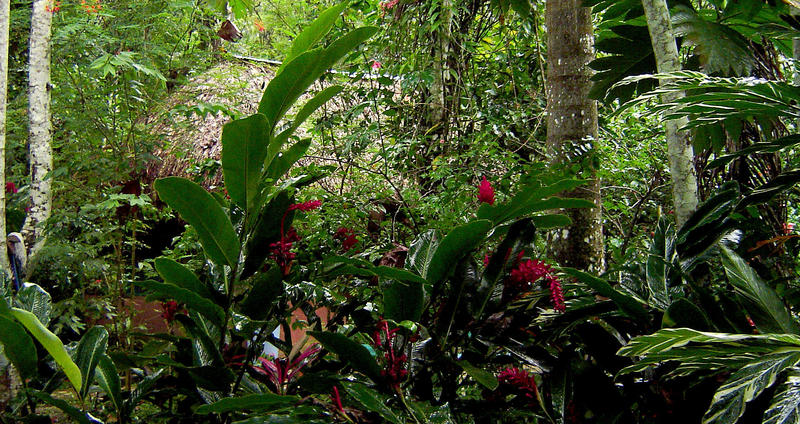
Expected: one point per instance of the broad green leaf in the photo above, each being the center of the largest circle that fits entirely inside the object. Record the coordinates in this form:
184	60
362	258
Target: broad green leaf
531	198
145	386
371	400
710	222
785	407
107	378
192	300
769	146
351	352
421	251
244	147
91	348
205	348
683	313
459	242
626	52
403	300
18	346
313	33
179	275
202	212
266	287
786	180
721	49
51	344
624	302
260	403
301	72
764	305
746	384
485	378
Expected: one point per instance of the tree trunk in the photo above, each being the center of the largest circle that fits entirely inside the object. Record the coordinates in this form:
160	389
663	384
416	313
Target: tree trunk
5	23
40	151
679	147
572	122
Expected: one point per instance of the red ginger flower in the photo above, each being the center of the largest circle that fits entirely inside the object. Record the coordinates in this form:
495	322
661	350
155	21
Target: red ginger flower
519	379
394	370
11	187
169	310
306	206
485	192
347	236
531	271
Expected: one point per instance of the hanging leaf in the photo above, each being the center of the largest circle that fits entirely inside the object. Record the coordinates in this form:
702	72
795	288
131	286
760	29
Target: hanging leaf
625	303
107	378
192	300
721	49
51	344
627	52
485	378
661	254
266	287
35	299
421	251
403	300
202	212
179	275
284	161
267	230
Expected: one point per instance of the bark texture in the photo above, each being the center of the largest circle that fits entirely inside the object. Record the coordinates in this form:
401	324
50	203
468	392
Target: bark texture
679	147
572	127
39	149
5	22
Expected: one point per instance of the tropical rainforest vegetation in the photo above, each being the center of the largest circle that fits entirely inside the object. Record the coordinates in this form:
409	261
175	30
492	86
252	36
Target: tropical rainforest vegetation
404	211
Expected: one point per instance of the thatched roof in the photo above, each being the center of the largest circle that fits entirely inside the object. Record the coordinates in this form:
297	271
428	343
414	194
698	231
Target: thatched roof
190	142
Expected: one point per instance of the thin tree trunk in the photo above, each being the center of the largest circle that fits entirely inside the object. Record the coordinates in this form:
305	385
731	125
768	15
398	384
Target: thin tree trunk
572	122
679	147
5	23
438	101
40	151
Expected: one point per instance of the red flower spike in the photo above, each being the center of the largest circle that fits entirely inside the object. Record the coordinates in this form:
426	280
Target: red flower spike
521	380
556	293
337	400
11	187
485	192
347	236
169	310
306	206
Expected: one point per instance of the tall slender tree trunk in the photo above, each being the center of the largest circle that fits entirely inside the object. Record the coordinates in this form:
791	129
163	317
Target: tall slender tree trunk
572	121
40	151
679	147
5	24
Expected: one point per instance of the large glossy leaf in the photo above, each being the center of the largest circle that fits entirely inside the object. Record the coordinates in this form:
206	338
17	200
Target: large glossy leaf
746	384
90	349
35	299
371	400
403	300
785	407
51	344
301	72
244	147
17	346
421	251
259	402
764	305
179	275
784	181
683	313
533	198
520	234
205	348
351	352
709	223
670	338
202	212
107	378
192	300
459	242
625	303
313	33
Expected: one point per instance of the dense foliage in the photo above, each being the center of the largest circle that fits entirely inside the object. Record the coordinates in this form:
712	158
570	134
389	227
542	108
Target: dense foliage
370	238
